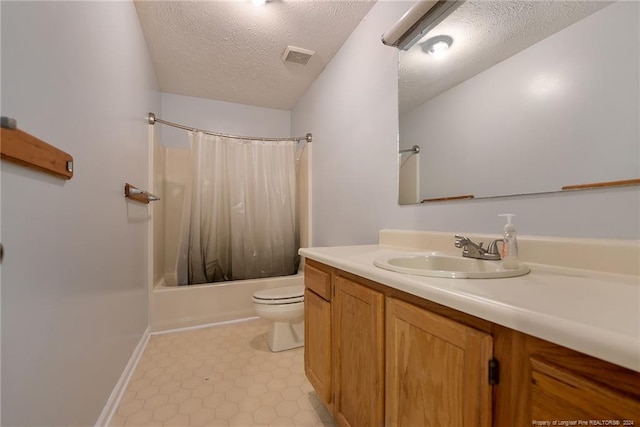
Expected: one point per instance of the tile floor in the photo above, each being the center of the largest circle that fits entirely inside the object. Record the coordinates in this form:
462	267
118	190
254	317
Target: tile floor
220	376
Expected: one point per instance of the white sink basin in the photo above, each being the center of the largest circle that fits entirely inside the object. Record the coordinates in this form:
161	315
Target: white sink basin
434	264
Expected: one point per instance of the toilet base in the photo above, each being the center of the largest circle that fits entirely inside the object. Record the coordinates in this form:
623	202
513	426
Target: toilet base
285	335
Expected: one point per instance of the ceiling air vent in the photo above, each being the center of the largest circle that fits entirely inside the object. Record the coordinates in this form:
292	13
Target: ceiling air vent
297	55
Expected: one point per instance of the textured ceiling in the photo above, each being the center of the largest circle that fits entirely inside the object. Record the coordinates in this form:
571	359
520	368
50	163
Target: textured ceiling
232	50
485	32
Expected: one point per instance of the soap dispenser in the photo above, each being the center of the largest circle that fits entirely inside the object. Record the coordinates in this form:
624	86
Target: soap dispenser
510	245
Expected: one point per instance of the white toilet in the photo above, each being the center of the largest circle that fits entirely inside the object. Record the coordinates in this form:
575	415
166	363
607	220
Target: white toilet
284	307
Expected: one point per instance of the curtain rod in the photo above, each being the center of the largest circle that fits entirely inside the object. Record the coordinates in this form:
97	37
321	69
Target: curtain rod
413	150
152	119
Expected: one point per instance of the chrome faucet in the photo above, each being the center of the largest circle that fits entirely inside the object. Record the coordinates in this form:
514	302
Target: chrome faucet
471	249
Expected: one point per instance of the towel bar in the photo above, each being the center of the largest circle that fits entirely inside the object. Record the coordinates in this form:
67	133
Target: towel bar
138	195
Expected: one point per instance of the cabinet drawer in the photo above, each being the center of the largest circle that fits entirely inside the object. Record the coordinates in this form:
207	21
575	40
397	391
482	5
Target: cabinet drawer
559	394
318	281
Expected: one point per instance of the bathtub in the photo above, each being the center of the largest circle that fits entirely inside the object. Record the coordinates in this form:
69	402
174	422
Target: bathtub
173	307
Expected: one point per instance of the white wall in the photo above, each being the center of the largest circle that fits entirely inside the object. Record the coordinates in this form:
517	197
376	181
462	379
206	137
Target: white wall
352	111
74	278
219	116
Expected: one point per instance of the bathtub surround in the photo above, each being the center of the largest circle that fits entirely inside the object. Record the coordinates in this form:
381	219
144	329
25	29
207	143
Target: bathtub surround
171	175
74	275
408	178
354	119
175	307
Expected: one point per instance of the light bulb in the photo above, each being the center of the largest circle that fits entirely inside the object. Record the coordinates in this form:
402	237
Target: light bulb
437	46
439	49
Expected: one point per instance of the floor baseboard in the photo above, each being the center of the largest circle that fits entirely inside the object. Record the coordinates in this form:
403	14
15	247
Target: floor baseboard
206	325
118	391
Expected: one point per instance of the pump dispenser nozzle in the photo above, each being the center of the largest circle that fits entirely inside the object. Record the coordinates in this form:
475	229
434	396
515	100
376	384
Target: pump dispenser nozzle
510	246
509	216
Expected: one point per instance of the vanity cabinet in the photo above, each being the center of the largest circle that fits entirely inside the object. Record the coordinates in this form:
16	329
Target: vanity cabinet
378	356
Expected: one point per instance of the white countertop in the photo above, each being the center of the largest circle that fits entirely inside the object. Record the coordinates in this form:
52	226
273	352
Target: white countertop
594	313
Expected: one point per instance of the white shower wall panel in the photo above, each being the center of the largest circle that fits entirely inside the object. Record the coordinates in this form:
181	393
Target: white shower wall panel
176	178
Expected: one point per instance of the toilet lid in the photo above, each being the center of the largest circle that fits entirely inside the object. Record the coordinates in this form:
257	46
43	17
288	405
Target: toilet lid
284	295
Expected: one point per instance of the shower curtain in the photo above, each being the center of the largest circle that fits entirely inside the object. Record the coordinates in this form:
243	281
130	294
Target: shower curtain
241	210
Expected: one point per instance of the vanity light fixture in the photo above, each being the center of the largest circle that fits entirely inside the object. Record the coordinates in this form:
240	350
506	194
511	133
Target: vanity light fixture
437	46
423	17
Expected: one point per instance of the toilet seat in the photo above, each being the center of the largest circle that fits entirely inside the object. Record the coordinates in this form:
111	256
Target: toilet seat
279	296
284	308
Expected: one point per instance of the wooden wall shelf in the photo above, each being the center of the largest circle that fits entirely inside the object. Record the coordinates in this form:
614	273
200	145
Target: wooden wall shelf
446	199
622	183
21	148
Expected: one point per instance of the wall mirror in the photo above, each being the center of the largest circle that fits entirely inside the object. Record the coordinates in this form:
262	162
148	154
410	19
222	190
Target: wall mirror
531	97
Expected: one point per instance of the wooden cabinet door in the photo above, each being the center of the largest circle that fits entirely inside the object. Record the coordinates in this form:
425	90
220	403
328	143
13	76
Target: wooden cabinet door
358	322
317	346
437	370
